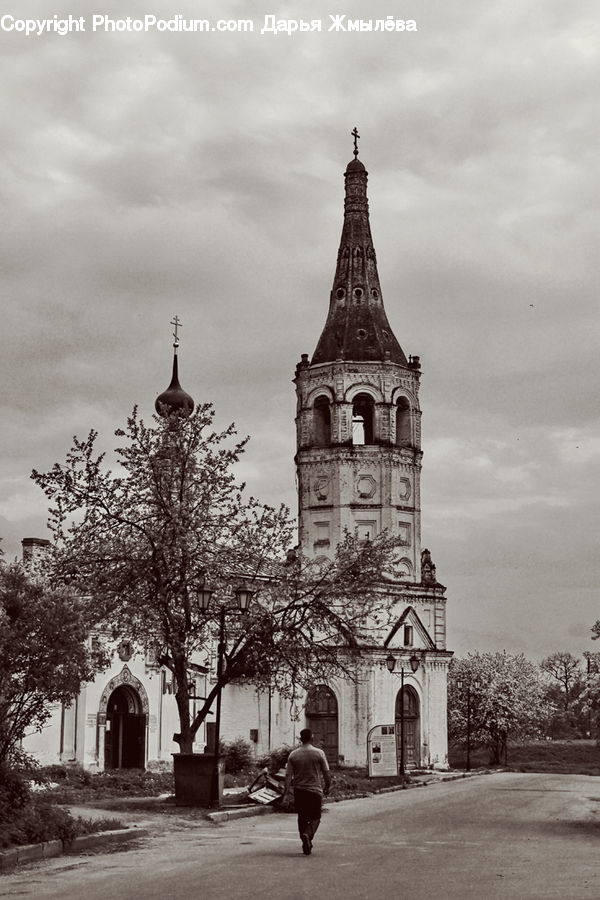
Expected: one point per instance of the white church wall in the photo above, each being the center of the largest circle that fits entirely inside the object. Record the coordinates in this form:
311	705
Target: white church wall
43	744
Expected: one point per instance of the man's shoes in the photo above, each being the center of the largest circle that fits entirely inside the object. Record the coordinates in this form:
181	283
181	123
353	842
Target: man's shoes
306	844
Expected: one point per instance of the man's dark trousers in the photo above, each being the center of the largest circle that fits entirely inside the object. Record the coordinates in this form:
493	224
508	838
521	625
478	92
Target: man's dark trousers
308	808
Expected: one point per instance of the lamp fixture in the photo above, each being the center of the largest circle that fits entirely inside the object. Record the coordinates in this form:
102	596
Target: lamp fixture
243	597
204	595
414	661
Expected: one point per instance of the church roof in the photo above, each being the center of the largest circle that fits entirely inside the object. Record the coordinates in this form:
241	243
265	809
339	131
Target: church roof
357	327
174	399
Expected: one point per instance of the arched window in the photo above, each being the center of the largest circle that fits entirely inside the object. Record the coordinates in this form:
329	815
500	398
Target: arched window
403	424
411	703
403	568
362	419
321	422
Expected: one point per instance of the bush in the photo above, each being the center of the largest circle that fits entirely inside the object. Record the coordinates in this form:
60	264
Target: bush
41	820
15	792
27	817
238	755
276	759
36	822
54	773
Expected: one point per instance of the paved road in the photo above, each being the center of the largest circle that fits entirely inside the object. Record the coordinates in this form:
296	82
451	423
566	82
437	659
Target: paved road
498	836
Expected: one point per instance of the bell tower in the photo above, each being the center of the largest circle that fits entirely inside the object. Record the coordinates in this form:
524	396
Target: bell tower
358	423
358	467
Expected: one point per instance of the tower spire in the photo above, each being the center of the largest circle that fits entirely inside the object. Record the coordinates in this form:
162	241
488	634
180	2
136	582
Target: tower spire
174	399
357	327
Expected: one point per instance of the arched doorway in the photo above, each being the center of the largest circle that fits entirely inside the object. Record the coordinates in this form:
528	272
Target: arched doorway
125	735
322	719
411	726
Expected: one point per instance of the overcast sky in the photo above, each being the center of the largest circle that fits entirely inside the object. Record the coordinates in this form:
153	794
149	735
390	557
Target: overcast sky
150	174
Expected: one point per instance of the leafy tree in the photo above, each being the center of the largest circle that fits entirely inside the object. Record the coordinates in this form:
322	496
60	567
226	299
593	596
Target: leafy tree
43	654
590	695
565	693
143	543
506	700
592	692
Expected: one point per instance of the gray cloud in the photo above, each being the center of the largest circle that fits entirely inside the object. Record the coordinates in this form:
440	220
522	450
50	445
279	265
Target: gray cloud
143	175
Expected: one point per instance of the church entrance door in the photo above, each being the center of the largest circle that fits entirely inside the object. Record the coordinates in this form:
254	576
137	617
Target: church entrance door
322	719
125	738
411	727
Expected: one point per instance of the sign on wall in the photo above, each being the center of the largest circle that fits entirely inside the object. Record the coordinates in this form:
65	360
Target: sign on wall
382	755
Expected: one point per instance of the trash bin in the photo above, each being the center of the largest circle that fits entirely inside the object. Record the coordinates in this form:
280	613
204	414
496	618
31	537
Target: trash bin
194	774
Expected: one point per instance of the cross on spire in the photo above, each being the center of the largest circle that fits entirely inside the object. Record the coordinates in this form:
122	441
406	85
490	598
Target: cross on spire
356	136
176	322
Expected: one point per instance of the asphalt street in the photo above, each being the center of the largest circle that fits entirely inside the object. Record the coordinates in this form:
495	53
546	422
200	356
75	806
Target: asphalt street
506	835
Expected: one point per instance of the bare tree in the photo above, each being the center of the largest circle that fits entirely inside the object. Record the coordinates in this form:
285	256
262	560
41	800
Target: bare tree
565	669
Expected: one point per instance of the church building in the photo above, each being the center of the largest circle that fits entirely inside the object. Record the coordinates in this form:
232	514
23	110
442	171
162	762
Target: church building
358	467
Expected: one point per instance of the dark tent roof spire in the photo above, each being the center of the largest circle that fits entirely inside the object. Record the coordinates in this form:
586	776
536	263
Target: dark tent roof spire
357	327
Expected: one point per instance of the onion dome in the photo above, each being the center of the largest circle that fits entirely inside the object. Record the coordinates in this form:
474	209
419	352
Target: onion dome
174	399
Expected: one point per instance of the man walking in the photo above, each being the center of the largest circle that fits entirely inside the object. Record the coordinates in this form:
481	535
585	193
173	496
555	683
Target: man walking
307	769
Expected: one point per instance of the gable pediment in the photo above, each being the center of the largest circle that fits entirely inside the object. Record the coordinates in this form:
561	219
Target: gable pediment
421	639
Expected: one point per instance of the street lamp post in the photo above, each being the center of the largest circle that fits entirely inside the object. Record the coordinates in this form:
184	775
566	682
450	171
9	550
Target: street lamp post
391	665
243	597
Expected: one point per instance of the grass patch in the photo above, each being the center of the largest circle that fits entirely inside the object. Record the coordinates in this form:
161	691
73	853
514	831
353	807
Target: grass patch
73	784
566	757
350	781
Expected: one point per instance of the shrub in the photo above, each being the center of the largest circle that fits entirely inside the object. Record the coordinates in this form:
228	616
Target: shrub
276	759
44	822
34	821
54	773
40	820
238	755
15	792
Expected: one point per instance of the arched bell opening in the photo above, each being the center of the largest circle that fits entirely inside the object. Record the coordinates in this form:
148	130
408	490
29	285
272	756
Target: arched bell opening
363	409
321	422
403	423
